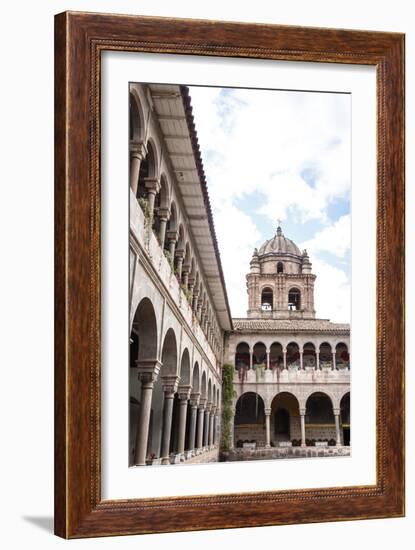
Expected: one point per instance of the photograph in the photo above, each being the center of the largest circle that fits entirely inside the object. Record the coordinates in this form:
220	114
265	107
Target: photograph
239	274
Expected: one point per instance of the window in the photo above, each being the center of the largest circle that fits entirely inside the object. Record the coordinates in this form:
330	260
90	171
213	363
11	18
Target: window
280	267
294	299
266	299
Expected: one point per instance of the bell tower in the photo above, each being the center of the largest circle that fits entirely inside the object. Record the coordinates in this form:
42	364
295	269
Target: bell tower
280	282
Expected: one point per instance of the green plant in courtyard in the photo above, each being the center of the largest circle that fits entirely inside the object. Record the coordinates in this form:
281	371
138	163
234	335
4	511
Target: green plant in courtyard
228	394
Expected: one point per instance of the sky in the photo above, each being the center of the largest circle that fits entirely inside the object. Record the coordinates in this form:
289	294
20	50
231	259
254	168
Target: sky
283	157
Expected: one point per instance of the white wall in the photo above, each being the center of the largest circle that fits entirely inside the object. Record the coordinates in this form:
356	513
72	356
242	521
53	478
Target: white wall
26	126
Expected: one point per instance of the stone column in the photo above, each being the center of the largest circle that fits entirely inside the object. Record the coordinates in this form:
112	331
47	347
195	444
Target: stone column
267	428
318	360
179	256
172	239
334	367
153	187
195	297
138	152
169	389
190	286
251	359
211	426
268	354
285	358
207	425
164	214
336	413
302	418
185	276
199	309
147	373
194	402
301	361
200	422
184	394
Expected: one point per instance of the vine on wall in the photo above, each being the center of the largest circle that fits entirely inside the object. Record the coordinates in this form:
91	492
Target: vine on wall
228	393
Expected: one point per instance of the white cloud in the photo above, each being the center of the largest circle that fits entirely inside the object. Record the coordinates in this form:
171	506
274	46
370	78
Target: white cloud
331	292
238	236
265	140
334	239
293	148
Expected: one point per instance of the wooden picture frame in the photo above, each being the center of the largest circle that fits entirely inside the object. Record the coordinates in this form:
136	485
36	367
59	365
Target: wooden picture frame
79	40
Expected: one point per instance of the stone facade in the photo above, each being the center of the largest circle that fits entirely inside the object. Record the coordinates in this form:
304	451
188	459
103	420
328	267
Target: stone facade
291	375
178	304
292	370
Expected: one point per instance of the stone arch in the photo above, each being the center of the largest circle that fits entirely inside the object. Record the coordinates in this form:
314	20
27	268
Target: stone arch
342	355
319	408
259	355
309	355
293	355
148	170
326	355
249	420
185	368
294	298
161	204
203	389
276	356
285	417
242	356
144	329
196	378
209	392
153	158
172	222
169	354
136	118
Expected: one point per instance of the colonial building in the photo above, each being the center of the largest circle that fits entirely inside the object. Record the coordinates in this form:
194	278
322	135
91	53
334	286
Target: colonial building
179	309
292	370
291	375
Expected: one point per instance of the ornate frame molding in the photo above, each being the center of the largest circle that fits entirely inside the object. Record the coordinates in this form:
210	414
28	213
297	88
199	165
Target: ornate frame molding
79	40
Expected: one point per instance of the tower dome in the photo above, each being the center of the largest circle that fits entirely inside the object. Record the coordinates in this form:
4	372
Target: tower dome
279	245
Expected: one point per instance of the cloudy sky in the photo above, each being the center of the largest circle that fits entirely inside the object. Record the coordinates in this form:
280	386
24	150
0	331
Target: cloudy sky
277	155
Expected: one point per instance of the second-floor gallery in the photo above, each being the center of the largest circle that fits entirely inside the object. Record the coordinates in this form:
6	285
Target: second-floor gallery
206	387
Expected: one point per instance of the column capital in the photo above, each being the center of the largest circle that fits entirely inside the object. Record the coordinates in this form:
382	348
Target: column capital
267	411
152	185
170	383
302	411
336	412
172	235
164	213
184	392
148	370
202	402
180	253
194	399
138	149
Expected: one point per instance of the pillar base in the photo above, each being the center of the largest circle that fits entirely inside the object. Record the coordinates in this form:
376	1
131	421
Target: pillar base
268	446
165	460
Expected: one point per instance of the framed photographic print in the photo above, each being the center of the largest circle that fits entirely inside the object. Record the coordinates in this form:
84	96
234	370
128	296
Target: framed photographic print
229	214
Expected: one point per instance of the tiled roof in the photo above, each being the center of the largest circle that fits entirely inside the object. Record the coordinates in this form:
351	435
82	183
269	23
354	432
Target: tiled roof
289	325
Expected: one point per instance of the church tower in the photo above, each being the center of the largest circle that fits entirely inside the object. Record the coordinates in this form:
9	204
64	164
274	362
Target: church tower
280	283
